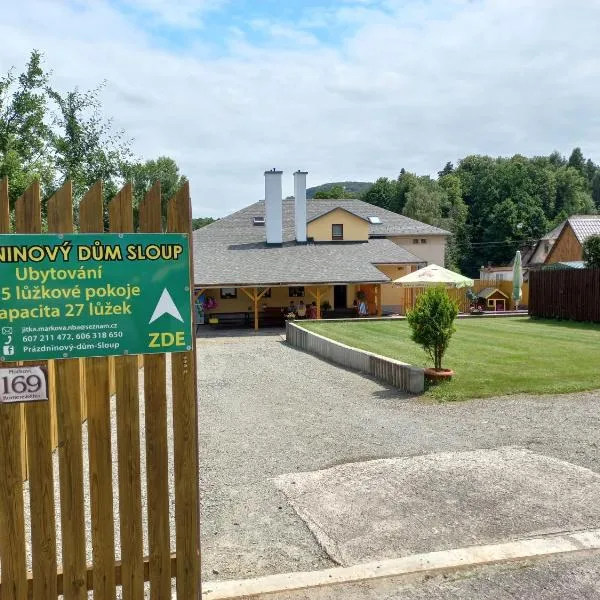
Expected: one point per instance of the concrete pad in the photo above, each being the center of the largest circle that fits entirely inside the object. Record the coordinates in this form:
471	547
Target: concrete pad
389	508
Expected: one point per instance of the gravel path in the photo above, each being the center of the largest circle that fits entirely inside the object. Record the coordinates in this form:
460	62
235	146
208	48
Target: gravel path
267	409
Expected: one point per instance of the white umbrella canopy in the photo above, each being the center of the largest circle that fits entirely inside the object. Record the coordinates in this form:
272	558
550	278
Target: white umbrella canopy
517	278
433	275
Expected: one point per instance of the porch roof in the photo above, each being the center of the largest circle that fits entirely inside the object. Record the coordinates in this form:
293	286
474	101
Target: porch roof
256	265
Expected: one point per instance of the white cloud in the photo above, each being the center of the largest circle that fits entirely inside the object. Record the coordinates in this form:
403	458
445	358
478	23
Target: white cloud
412	86
185	14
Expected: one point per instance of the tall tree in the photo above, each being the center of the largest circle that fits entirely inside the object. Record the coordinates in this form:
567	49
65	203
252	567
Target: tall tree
572	195
24	132
381	193
577	161
85	145
458	246
596	190
425	202
143	175
447	170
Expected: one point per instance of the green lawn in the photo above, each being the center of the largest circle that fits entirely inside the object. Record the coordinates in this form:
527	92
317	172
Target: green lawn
490	356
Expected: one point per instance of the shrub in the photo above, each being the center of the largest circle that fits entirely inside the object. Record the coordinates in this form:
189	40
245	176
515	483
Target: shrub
432	322
591	252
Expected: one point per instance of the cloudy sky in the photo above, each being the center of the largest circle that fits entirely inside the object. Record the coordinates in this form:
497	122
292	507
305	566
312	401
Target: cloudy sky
346	89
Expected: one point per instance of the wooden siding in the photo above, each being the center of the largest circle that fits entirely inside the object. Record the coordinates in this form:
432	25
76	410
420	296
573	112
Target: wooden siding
566	248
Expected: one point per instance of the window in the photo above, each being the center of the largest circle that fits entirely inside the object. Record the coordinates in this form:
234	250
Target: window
423	241
337	232
374	220
296	292
228	293
267	294
258	221
415	240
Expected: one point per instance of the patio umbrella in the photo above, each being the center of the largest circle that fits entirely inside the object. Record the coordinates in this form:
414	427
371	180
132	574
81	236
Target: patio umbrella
432	275
517	278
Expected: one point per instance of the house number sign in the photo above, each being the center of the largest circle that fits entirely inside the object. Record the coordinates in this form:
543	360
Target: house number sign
23	384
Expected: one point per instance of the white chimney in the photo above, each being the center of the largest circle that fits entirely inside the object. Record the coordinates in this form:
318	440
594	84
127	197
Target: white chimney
300	204
273	207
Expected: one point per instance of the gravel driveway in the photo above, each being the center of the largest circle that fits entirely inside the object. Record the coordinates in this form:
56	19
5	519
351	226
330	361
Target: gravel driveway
267	409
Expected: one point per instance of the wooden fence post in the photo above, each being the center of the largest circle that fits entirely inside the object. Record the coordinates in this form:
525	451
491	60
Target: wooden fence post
39	445
96	377
185	428
157	457
128	436
70	450
12	513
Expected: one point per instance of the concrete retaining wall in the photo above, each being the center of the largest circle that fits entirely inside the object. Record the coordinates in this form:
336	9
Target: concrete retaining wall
401	375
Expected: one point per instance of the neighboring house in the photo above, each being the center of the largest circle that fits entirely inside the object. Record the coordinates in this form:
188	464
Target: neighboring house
536	255
262	257
569	244
496	273
564	244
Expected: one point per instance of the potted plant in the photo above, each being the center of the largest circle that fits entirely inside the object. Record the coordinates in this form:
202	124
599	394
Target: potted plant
432	324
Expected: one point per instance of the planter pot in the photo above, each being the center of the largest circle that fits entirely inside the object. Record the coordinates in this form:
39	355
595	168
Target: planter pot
438	375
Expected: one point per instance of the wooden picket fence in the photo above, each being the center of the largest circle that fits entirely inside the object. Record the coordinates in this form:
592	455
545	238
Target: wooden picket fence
80	389
52	401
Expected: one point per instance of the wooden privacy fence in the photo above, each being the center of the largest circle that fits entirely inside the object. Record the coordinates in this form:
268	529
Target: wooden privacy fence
81	387
570	294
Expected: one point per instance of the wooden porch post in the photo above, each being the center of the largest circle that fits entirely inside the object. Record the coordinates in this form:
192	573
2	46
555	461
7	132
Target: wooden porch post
255	309
318	297
255	297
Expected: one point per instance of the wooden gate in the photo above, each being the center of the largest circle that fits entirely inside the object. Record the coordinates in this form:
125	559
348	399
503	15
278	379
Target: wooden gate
141	557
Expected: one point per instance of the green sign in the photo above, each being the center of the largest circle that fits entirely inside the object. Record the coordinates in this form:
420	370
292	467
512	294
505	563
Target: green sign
66	296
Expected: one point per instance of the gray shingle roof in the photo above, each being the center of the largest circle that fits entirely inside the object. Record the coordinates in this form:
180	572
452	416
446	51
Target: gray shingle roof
232	251
585	226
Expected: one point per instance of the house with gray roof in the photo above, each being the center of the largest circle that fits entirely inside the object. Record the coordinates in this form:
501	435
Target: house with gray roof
260	259
574	232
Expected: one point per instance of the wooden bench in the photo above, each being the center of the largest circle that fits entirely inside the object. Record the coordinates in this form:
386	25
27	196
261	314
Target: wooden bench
237	319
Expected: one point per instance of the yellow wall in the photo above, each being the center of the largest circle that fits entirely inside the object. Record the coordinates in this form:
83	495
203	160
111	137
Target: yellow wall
392	295
279	298
433	251
355	228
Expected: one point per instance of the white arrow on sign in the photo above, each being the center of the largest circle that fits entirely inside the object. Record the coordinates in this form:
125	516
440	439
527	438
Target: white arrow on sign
165	306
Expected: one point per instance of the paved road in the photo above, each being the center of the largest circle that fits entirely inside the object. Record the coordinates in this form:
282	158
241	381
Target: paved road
267	410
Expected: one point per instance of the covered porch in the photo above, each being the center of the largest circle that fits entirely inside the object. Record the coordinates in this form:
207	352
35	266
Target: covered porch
268	305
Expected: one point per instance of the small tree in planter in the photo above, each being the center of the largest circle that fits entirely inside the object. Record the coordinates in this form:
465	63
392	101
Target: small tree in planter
432	324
